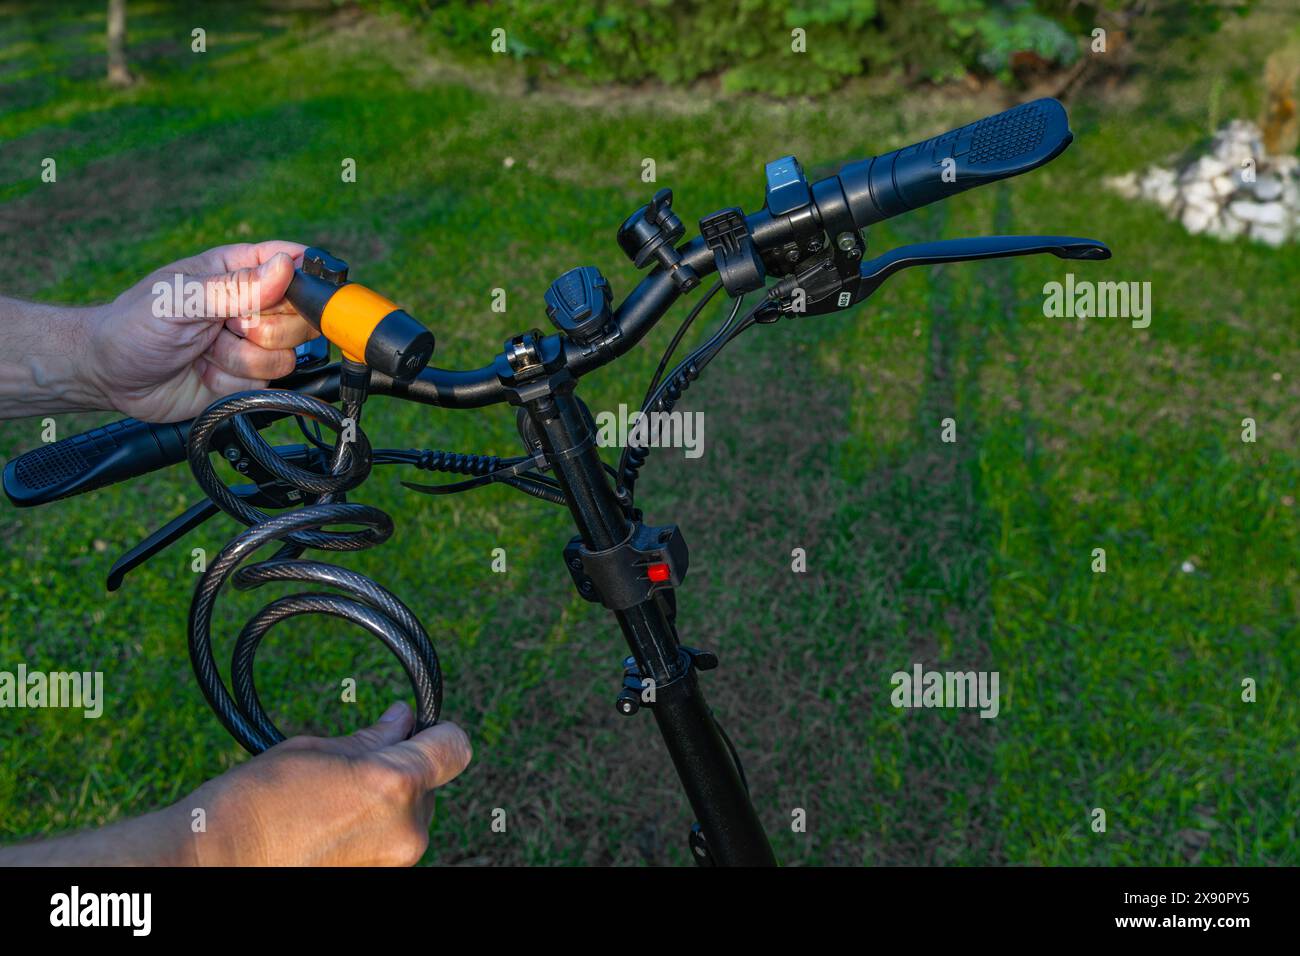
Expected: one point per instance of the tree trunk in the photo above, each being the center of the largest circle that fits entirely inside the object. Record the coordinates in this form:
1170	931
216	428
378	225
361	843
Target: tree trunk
118	74
1280	125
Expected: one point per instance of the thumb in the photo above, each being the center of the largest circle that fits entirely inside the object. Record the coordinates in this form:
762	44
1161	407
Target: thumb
392	727
432	757
272	281
246	293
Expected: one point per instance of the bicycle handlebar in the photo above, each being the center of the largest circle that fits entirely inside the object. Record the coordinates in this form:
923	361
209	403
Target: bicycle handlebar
862	193
124	450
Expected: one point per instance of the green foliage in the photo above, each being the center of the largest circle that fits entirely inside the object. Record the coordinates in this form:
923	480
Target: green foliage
750	44
1004	33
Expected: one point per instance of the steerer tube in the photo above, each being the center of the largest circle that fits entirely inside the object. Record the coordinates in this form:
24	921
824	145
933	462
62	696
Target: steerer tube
732	833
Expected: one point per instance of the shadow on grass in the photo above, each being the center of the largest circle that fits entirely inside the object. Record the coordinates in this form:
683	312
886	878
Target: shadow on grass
54	229
922	527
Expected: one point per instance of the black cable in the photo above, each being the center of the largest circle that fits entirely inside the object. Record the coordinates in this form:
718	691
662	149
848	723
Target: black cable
363	602
735	754
485	469
531	484
672	387
317	439
676	340
698	359
663	363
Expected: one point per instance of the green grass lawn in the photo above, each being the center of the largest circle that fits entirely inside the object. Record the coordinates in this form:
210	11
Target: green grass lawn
1120	691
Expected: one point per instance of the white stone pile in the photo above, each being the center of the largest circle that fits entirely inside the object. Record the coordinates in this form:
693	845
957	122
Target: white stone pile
1234	190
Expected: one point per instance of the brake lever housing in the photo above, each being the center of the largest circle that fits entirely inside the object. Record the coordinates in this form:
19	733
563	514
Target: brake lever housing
873	273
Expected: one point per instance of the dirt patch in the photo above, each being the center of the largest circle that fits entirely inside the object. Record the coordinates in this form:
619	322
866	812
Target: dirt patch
55	228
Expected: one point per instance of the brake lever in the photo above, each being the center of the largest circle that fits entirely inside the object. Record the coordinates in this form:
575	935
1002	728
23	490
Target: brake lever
267	494
172	531
873	273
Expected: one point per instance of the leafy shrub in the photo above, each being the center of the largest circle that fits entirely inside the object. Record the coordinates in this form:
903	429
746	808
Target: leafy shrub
747	44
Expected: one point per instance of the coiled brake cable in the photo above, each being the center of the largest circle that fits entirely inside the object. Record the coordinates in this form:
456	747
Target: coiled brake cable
661	397
677	338
516	472
365	603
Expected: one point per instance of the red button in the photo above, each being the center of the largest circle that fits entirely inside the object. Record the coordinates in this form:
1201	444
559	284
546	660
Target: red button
658	573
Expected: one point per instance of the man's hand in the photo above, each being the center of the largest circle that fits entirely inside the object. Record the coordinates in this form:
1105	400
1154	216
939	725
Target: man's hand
363	800
168	367
166	348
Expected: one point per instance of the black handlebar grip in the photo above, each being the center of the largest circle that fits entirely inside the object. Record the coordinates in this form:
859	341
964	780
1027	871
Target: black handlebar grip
993	148
102	456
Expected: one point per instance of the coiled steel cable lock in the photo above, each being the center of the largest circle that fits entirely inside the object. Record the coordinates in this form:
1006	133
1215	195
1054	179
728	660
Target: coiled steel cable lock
372	332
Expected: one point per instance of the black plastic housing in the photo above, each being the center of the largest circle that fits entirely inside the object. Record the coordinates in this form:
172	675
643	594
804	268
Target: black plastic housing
399	346
578	304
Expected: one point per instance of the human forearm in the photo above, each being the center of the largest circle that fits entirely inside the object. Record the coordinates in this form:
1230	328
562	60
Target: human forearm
361	800
164	349
43	351
162	838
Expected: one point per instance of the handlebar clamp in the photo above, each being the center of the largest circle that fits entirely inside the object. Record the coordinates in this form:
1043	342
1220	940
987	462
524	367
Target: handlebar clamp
649	560
739	267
